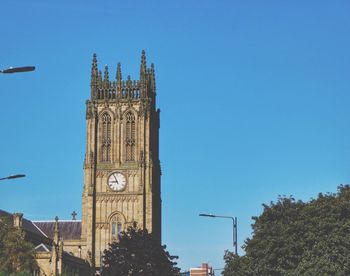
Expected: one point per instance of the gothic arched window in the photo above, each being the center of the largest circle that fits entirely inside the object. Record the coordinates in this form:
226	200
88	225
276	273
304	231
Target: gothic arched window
106	137
116	227
130	136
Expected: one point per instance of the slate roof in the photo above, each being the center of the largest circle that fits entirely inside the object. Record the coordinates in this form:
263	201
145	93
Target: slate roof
5	214
26	224
69	229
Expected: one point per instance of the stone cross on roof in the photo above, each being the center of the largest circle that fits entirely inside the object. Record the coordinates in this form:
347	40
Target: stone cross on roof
74	214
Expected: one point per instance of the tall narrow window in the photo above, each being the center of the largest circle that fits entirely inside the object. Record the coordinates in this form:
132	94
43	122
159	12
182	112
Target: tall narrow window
106	137
119	228
114	230
130	136
116	227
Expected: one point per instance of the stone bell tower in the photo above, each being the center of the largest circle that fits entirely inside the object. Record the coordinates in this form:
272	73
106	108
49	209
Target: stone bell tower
121	167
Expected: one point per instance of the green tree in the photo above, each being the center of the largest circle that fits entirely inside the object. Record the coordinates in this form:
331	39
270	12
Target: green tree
16	254
137	252
296	238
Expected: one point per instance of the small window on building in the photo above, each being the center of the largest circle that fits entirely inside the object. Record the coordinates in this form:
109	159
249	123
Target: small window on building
114	229
119	228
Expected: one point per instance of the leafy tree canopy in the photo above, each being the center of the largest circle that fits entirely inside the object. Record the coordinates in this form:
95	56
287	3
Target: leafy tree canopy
137	252
296	238
16	254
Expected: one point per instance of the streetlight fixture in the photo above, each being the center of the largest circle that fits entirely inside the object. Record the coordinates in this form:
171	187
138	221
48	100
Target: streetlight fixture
18	69
234	227
13	176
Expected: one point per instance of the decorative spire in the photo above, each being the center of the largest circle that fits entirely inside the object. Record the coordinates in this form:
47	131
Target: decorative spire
99	79
56	235
94	76
94	70
143	66
106	78
153	78
105	75
56	223
119	73
129	82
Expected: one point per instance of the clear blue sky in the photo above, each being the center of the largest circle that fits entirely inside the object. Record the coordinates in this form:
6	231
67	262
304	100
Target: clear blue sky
254	96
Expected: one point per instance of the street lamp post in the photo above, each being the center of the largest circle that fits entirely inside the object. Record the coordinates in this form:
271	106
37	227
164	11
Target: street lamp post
13	176
17	69
234	227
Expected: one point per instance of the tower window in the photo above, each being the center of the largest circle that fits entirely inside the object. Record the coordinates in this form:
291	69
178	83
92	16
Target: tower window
119	228
130	136
116	227
106	137
114	230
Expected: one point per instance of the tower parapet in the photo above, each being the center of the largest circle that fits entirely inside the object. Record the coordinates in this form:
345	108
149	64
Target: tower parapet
119	89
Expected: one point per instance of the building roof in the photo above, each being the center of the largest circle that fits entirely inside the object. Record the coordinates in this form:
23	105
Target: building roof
43	248
69	229
26	224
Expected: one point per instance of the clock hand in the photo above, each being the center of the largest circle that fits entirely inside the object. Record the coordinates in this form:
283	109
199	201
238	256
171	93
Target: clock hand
115	178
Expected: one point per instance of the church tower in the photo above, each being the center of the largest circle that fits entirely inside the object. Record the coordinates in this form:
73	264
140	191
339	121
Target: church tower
121	166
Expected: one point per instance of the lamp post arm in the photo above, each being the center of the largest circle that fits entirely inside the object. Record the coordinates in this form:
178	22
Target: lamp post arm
13	176
17	69
216	216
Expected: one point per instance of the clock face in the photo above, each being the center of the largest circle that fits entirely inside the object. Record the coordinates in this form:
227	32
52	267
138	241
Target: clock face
117	181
